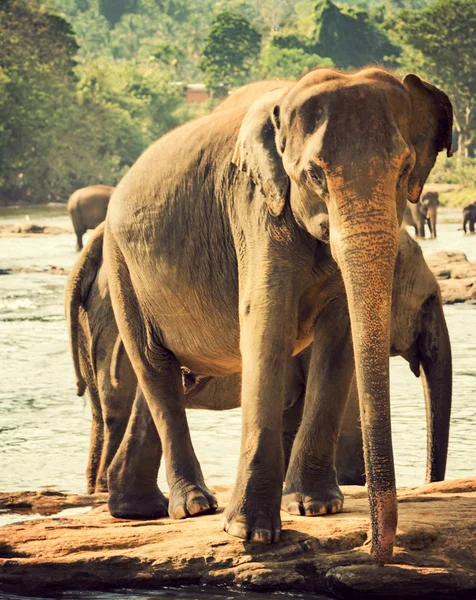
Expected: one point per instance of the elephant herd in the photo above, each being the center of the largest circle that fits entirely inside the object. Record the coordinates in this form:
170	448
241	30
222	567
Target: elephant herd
254	257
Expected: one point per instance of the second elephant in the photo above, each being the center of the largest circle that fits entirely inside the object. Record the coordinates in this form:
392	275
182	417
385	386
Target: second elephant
423	213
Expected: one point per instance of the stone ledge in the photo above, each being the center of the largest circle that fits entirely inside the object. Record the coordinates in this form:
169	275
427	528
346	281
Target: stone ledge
456	276
435	553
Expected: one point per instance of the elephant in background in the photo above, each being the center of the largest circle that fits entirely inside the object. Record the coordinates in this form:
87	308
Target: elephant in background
215	258
423	213
419	334
469	216
87	208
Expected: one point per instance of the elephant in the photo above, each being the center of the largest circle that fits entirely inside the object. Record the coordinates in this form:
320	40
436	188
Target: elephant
419	334
87	208
421	213
469	216
220	244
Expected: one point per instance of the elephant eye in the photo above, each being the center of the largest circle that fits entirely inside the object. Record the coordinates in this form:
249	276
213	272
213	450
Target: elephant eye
316	173
403	174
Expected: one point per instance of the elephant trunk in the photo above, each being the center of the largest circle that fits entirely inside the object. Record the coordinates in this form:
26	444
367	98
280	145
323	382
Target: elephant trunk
365	249
436	372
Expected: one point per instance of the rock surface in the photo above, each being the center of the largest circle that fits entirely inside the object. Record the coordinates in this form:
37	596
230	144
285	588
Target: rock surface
456	276
435	553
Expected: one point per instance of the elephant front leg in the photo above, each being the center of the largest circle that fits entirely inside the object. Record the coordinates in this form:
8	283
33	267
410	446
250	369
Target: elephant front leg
267	336
132	476
311	487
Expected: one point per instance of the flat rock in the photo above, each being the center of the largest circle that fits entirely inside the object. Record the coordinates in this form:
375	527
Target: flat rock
435	552
456	276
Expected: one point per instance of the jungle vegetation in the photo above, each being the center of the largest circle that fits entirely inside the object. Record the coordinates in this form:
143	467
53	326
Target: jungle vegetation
87	85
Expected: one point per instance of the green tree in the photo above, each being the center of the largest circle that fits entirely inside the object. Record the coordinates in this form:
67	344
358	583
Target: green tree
113	10
36	95
438	42
289	63
230	52
349	37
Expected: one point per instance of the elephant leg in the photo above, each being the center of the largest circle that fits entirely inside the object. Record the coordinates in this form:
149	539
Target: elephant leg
350	464
421	228
294	402
132	475
268	318
96	441
291	420
79	239
471	225
311	484
160	379
115	424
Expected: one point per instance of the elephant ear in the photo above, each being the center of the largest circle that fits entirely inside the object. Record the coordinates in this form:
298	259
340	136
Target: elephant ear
430	129
256	152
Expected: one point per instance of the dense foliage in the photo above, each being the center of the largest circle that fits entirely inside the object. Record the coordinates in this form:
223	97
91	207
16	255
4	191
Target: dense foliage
86	85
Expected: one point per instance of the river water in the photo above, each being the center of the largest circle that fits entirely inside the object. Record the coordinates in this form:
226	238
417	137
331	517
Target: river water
44	427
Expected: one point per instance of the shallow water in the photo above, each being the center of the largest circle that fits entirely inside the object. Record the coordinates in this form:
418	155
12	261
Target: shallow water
44	427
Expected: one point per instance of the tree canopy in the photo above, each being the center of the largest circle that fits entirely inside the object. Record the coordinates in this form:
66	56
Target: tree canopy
86	85
439	43
230	50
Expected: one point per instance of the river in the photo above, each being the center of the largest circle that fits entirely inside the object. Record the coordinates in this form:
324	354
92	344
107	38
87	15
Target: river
44	427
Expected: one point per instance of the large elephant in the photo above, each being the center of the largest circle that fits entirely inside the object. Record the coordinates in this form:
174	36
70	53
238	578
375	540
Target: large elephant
469	216
418	333
215	259
87	208
423	213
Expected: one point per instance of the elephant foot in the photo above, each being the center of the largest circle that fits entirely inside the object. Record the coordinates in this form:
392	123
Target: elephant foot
257	523
144	506
325	500
190	500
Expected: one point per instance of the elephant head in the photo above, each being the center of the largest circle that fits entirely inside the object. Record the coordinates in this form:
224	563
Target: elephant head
420	335
348	150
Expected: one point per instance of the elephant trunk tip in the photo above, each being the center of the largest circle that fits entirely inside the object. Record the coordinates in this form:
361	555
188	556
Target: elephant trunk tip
383	535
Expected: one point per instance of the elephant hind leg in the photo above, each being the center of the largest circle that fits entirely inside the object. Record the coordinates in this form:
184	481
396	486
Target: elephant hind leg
79	228
132	475
96	441
160	379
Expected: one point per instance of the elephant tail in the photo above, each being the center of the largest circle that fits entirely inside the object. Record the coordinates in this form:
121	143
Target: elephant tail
118	355
77	289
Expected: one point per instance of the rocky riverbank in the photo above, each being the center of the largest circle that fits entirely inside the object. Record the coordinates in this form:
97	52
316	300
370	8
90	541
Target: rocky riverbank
455	274
435	553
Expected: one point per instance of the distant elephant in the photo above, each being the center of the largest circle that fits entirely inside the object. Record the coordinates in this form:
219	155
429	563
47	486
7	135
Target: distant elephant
215	258
423	213
469	216
87	208
419	334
